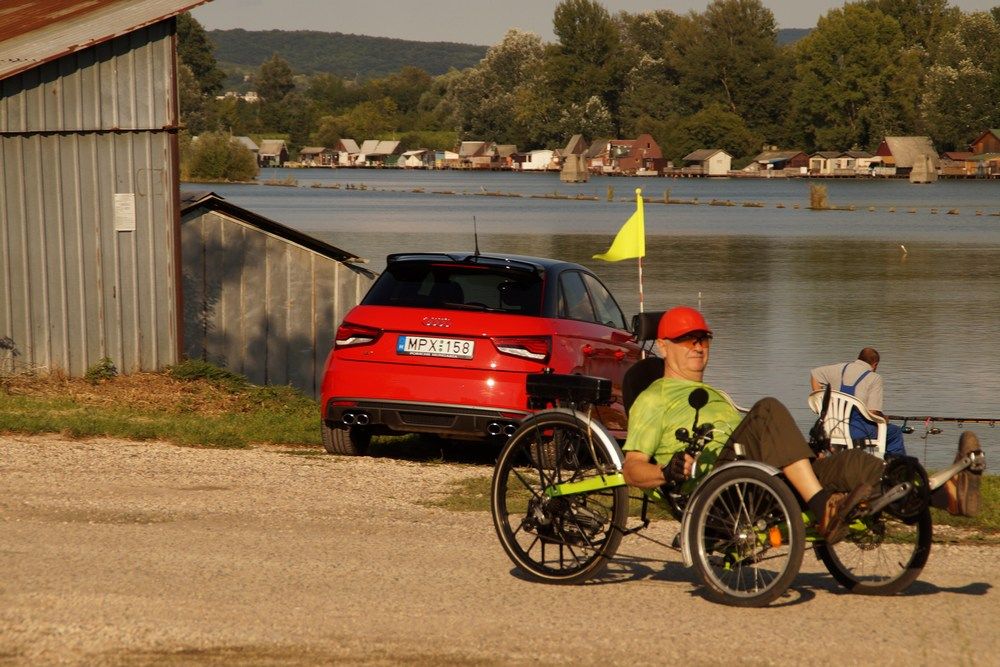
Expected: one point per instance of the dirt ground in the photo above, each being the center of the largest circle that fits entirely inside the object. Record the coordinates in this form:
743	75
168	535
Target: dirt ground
123	553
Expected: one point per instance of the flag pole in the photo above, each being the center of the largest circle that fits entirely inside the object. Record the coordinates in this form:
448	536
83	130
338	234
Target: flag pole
640	285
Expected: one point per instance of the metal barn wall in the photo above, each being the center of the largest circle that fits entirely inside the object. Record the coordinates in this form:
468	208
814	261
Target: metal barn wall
259	304
74	133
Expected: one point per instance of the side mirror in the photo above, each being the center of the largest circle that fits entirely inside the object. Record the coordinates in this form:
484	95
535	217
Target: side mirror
698	398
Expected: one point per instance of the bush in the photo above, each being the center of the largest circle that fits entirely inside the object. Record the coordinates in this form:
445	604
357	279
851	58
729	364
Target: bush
104	369
216	157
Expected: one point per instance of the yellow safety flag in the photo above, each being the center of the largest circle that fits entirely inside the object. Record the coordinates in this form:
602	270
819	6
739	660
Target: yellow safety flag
631	239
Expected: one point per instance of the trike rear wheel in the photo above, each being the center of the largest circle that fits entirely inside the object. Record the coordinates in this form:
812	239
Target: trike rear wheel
565	539
746	536
885	558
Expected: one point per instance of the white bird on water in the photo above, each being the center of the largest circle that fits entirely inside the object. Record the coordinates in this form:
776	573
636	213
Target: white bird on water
904	249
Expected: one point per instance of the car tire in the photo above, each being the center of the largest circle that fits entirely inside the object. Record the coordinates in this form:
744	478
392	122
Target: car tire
345	441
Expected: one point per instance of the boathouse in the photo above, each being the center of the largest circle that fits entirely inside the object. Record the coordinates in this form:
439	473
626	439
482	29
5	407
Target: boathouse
260	298
908	153
987	142
708	162
272	153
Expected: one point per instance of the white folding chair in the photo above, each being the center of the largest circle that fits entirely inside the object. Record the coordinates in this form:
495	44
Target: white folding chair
838	422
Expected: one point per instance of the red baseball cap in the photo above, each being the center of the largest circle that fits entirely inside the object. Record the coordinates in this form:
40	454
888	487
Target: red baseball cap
679	321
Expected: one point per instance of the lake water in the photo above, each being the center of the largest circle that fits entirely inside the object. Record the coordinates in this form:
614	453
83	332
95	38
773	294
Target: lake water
784	287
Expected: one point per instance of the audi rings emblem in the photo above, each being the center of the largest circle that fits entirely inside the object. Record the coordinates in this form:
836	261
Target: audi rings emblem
439	322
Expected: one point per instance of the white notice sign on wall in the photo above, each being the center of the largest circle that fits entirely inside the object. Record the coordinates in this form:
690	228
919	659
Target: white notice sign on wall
125	212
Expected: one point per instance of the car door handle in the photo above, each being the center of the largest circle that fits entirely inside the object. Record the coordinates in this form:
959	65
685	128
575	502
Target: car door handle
587	350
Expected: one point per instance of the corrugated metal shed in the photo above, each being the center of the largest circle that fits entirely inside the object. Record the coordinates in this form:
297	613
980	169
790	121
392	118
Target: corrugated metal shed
260	298
89	220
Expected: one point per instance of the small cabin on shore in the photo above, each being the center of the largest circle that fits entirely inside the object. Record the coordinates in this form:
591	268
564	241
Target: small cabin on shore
987	142
272	153
904	154
260	298
708	162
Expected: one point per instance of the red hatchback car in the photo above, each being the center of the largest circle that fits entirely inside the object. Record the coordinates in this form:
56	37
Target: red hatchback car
442	343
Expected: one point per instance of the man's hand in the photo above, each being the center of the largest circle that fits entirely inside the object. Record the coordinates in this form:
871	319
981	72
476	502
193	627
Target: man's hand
679	468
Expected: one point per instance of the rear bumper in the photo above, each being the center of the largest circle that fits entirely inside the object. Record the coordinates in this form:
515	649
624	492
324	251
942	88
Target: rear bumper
415	417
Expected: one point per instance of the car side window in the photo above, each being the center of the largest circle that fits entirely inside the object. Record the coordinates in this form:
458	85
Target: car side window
608	311
574	300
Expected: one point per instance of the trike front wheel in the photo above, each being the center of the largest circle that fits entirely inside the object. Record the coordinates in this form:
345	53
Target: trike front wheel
565	539
746	536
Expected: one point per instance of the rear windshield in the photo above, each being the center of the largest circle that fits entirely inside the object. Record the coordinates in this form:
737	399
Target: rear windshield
457	287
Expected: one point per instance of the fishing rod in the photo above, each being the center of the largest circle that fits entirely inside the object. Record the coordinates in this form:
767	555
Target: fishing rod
960	420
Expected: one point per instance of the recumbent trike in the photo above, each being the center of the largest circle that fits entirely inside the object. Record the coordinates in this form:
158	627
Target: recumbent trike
560	507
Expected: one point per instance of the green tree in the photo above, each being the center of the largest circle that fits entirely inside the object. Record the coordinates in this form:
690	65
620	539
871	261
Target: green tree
712	127
329	93
274	79
729	55
587	59
496	99
195	50
214	156
234	116
193	103
922	22
436	110
372	119
961	88
851	77
405	88
651	79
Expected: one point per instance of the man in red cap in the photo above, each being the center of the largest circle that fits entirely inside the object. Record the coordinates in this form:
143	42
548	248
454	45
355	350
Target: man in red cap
831	486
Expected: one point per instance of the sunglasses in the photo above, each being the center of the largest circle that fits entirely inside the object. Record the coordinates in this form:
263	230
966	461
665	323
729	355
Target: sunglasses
692	339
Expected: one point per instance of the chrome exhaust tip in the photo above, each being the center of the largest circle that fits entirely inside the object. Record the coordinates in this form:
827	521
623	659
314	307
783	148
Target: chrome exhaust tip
509	429
494	428
362	419
348	418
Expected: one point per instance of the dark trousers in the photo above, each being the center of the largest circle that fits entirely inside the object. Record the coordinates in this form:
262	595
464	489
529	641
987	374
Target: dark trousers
861	428
769	434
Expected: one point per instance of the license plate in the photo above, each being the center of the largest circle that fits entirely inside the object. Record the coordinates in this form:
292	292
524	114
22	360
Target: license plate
424	346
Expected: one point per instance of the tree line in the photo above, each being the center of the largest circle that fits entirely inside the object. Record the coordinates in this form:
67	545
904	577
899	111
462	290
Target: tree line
712	79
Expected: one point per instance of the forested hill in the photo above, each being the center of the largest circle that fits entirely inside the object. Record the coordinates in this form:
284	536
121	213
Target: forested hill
349	56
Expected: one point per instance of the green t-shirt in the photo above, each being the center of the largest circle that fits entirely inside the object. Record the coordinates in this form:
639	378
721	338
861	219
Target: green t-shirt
663	408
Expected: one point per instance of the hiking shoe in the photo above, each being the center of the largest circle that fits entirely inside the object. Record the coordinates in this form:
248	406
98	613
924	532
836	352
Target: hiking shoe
833	526
967	497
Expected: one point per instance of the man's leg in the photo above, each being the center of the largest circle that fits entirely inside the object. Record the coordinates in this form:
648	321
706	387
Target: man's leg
845	470
768	434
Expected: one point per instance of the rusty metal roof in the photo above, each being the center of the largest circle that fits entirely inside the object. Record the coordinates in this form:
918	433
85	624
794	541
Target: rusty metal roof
33	32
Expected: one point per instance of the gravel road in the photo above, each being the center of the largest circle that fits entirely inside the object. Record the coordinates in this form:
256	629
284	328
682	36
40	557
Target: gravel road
124	553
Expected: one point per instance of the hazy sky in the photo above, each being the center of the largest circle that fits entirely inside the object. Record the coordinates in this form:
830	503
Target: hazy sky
468	21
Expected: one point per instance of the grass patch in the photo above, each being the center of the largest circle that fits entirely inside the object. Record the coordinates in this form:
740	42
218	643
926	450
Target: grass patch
467	495
988	520
193	403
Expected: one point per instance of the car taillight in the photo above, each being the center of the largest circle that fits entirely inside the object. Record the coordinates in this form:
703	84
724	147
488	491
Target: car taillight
536	348
354	334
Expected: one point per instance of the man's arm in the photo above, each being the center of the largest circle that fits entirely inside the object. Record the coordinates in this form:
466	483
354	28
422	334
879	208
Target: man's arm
816	386
642	473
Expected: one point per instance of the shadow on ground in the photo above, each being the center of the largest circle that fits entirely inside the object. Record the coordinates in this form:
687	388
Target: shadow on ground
431	448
